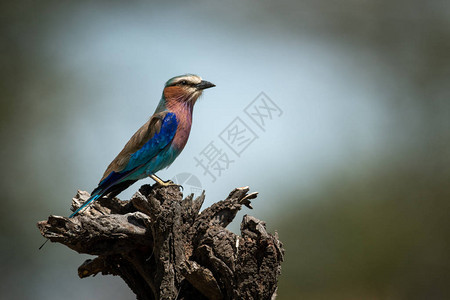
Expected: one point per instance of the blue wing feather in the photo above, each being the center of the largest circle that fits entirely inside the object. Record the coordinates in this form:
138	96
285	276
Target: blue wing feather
138	159
158	142
147	152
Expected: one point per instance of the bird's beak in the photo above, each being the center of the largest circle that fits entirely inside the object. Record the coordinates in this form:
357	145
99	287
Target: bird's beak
204	85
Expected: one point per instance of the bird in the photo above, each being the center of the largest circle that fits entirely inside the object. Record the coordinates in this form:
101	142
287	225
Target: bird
157	143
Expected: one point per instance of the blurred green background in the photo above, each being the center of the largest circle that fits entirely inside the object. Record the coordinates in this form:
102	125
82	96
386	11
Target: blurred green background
354	176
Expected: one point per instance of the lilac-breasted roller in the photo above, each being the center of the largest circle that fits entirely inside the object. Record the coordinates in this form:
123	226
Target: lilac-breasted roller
158	142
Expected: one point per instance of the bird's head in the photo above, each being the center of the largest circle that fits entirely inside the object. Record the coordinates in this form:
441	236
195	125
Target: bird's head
185	89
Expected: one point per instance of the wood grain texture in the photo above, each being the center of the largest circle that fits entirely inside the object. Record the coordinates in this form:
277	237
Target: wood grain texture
165	248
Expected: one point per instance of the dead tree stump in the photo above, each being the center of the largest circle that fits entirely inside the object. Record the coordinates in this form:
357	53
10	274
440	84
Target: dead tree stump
163	248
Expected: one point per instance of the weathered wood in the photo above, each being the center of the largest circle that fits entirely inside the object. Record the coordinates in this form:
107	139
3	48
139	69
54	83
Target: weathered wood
165	248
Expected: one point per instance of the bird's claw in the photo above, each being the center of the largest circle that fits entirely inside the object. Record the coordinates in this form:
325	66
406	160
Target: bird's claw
161	182
170	183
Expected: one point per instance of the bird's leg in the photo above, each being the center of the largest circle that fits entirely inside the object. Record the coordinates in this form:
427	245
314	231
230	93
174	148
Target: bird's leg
162	182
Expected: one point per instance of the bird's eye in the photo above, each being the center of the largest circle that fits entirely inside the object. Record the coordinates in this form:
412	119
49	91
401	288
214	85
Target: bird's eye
184	82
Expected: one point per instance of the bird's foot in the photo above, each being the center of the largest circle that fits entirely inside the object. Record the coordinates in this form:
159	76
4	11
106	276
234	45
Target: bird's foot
169	183
161	182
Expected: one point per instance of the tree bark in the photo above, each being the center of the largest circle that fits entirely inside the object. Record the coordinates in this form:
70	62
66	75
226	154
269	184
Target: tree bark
163	248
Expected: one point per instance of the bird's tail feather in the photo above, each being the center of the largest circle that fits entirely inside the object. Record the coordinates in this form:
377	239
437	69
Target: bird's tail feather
107	186
91	199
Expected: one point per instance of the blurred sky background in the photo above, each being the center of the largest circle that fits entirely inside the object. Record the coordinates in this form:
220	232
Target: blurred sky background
354	175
